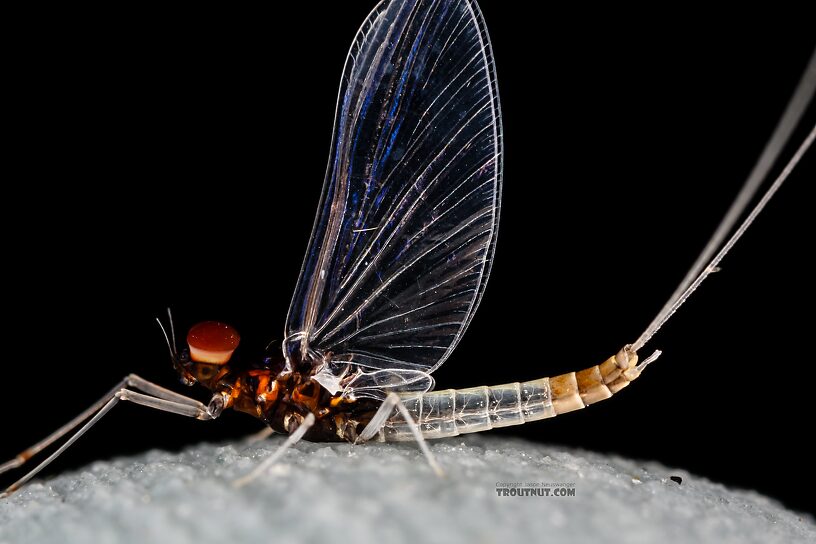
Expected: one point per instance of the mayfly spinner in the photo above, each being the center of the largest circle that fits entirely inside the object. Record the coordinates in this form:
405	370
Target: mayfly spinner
399	257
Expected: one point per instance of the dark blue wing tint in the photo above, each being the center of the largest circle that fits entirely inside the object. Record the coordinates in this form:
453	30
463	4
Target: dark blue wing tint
405	230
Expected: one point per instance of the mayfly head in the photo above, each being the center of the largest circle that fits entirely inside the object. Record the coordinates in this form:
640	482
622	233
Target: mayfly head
210	347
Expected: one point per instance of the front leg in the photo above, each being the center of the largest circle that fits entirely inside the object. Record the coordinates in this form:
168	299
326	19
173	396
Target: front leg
158	397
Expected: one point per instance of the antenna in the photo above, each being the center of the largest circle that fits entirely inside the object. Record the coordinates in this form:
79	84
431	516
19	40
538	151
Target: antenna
172	332
167	339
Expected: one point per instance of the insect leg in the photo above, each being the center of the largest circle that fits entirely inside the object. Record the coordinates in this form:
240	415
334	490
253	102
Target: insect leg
173	402
263	434
137	382
382	415
132	380
291	440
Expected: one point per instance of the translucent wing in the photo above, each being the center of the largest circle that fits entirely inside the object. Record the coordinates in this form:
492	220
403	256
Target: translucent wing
405	230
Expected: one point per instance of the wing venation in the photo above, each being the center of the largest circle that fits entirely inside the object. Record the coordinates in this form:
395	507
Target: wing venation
406	227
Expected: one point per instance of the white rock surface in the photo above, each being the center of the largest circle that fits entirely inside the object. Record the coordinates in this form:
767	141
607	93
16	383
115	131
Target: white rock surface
386	493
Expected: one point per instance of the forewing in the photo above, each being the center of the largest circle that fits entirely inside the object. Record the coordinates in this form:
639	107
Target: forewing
405	230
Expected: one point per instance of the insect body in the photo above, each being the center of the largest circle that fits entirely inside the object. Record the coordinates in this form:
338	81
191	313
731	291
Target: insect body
396	266
402	246
283	400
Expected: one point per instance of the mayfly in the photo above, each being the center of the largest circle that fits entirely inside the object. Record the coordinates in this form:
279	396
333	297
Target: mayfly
399	258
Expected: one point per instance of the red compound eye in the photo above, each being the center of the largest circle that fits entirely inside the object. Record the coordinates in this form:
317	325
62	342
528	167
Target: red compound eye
212	342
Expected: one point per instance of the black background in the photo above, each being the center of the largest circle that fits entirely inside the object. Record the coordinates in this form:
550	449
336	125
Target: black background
176	159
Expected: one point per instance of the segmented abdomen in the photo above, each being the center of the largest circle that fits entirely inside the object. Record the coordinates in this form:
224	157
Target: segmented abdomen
457	411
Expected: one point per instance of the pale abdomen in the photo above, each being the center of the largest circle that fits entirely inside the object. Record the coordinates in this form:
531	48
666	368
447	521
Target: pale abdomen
451	412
